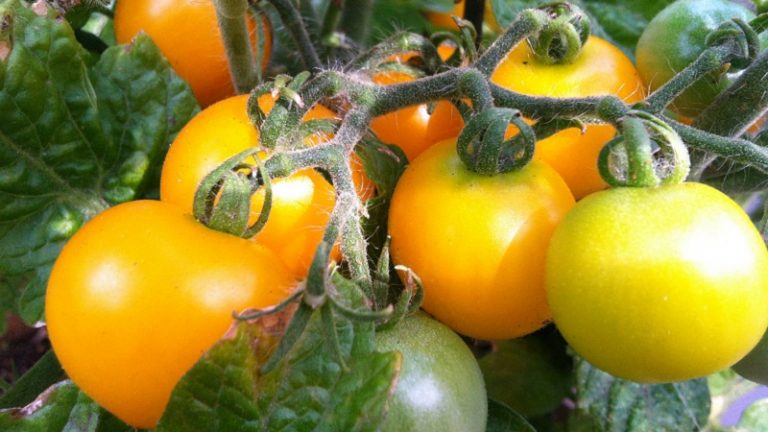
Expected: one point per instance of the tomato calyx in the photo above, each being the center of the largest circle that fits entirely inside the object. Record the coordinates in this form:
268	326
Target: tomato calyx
647	153
562	36
483	148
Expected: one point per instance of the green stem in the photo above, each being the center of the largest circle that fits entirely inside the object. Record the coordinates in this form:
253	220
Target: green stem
393	97
737	150
398	43
741	104
231	15
528	22
292	20
710	60
543	107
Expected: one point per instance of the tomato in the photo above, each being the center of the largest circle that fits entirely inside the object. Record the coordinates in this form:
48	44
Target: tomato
440	387
754	366
301	203
477	242
140	292
186	31
412	128
600	69
659	284
674	38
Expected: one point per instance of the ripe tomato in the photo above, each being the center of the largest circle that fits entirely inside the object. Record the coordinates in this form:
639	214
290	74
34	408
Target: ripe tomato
659	284
412	128
600	69
674	38
477	242
140	292
301	203
440	386
186	31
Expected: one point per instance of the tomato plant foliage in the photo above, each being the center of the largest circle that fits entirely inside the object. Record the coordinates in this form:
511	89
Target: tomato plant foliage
86	123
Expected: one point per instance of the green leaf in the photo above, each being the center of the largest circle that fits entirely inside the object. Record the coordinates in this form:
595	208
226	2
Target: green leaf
75	138
308	390
390	15
63	407
502	418
613	404
532	375
755	417
39	377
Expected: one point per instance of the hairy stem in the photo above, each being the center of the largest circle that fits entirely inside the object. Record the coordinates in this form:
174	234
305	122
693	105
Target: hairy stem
231	15
741	104
293	21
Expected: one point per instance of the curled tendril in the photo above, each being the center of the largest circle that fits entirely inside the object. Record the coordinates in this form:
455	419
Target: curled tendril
742	36
482	147
563	35
648	153
223	199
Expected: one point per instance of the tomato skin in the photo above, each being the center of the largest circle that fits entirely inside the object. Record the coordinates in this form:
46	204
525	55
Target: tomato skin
301	204
174	26
600	69
674	38
140	292
477	242
440	387
668	284
412	128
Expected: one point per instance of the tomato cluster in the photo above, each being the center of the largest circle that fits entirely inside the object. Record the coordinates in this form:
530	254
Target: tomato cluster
653	285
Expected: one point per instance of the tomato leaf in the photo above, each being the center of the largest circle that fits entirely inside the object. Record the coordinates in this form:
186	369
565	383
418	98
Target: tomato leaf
502	418
755	417
39	377
531	375
308	390
613	404
75	137
63	407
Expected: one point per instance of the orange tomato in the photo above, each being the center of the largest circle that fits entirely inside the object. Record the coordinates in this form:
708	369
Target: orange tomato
302	202
600	69
186	31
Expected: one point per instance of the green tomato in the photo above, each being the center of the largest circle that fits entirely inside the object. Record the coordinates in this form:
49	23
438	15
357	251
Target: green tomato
674	38
661	284
440	387
754	366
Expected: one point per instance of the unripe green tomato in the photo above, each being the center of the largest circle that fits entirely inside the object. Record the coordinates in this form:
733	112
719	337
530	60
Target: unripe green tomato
440	387
674	38
661	284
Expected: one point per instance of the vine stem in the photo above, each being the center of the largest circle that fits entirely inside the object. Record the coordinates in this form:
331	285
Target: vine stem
709	60
739	105
292	20
231	15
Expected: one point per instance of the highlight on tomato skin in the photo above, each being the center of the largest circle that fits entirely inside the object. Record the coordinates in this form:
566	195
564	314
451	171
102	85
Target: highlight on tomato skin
140	292
174	26
301	203
600	69
477	242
